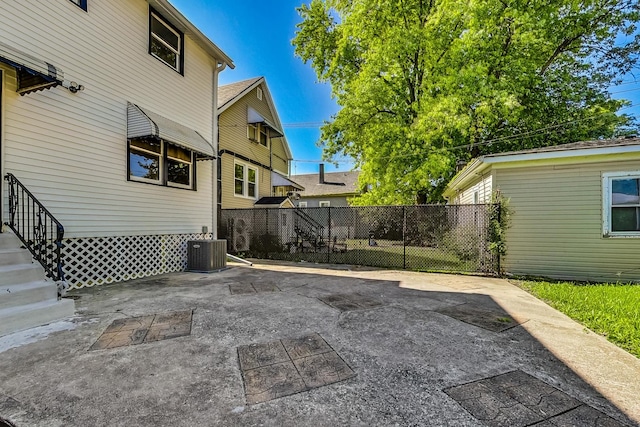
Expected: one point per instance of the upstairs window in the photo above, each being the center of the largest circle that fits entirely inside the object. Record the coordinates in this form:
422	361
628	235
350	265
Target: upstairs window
165	42
257	132
621	210
80	3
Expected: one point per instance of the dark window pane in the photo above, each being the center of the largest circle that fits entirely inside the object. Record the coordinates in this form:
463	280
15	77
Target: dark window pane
263	136
164	53
162	31
624	219
624	192
148	144
252	175
238	188
239	172
144	165
252	190
178	172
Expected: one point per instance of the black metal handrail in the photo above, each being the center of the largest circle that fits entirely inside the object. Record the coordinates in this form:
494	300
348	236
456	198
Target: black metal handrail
36	227
310	229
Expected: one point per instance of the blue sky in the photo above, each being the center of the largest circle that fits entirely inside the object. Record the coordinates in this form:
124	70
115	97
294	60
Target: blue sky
257	36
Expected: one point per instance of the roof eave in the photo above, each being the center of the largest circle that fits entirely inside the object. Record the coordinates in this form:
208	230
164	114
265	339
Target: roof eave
505	157
169	12
469	172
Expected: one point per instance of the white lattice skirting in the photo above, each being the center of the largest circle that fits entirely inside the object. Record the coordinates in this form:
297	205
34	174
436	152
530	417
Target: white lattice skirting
91	261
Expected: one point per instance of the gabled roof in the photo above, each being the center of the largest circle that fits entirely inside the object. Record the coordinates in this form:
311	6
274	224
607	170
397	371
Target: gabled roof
563	151
335	184
231	93
171	14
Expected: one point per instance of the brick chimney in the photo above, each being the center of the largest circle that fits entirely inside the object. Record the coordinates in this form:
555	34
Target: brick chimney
321	181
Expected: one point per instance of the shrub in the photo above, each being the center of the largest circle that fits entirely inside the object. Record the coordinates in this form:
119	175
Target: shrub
464	241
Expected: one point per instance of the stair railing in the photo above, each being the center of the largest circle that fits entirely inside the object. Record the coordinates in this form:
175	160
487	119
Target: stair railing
308	228
37	228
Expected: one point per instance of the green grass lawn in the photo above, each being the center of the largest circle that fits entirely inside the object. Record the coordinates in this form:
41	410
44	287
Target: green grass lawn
389	254
610	310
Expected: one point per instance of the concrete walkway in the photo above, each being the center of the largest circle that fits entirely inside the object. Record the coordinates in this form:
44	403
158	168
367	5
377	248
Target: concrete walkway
296	345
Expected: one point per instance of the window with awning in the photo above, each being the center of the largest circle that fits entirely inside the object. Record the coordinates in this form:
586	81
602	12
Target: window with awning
162	151
34	74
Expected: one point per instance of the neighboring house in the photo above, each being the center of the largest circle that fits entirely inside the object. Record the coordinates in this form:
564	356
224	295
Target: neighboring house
121	147
333	189
254	153
576	207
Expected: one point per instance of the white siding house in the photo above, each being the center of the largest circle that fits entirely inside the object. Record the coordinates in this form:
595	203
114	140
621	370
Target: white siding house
576	208
125	163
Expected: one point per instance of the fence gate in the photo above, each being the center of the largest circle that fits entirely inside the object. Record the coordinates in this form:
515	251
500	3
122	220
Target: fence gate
452	238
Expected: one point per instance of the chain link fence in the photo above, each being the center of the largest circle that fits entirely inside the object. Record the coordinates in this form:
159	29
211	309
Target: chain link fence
451	238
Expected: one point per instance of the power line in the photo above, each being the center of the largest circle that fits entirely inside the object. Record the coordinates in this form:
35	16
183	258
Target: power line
488	142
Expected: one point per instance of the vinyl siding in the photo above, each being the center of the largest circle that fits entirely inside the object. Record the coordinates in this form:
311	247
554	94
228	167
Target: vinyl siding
557	223
229	198
233	128
69	149
233	137
279	159
334	201
482	185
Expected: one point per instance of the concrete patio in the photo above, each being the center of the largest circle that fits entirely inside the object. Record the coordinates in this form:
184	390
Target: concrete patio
301	344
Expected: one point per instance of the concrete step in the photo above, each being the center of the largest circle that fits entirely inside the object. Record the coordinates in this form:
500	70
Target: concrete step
15	256
27	293
20	273
8	240
23	317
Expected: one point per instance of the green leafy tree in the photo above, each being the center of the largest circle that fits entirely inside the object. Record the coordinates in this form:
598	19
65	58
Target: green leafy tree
423	84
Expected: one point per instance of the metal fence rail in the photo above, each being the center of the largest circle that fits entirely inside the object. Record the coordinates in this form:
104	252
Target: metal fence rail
426	237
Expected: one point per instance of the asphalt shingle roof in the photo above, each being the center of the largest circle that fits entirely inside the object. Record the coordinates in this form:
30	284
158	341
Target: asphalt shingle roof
335	183
229	92
581	145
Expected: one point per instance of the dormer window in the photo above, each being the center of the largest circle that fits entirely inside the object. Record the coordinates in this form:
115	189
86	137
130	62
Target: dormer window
165	42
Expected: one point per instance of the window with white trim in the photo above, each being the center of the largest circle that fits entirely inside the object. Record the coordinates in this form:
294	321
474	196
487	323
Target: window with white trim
302	204
165	42
155	161
324	204
257	132
245	181
621	206
259	93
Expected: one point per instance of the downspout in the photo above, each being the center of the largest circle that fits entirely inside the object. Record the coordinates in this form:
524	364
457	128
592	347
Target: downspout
216	144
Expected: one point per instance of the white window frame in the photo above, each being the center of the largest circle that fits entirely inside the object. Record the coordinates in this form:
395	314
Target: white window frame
178	51
245	180
259	93
302	204
607	179
258	129
324	204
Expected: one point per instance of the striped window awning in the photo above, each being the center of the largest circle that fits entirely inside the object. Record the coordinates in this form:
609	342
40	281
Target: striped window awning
33	74
254	117
144	123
